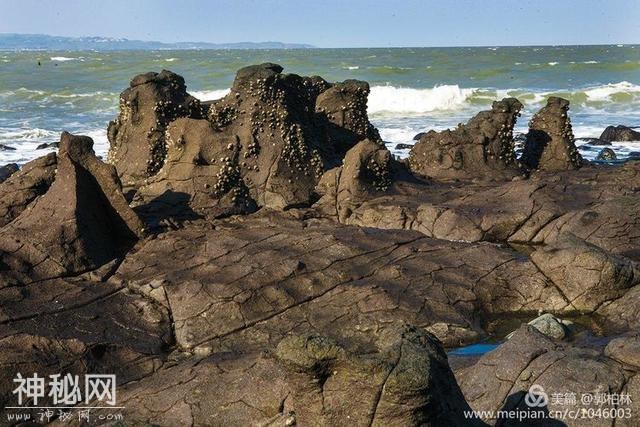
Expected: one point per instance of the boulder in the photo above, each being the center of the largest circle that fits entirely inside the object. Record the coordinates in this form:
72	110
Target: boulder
619	133
550	144
482	149
81	223
625	349
222	390
344	105
550	325
273	135
586	274
137	136
245	284
530	363
201	175
289	129
25	185
403	146
7	170
47	145
365	173
606	154
406	382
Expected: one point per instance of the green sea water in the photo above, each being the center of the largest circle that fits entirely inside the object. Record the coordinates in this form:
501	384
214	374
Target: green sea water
412	89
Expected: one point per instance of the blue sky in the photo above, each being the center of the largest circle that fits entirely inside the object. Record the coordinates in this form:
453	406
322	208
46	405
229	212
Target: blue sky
334	23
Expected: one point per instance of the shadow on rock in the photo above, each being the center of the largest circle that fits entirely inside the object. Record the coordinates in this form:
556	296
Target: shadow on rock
167	209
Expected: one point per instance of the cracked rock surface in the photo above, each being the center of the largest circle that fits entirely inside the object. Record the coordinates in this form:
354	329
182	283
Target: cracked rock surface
271	264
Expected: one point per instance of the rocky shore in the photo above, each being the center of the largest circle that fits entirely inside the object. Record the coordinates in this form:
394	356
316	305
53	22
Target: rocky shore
263	259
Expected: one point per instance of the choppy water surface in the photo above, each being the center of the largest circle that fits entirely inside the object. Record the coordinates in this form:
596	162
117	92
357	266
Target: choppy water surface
412	90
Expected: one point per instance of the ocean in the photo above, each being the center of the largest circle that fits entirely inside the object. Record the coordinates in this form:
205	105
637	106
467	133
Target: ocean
412	89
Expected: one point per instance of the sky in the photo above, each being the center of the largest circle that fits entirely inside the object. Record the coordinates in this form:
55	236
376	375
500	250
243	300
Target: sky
334	23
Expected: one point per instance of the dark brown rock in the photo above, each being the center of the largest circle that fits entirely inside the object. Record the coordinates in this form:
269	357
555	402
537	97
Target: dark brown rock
345	107
536	211
606	154
288	129
245	285
550	144
224	389
482	149
407	382
619	133
201	175
625	350
136	136
22	187
7	170
81	223
586	274
365	172
501	378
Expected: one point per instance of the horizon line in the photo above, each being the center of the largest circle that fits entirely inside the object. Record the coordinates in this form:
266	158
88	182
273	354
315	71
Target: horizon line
308	45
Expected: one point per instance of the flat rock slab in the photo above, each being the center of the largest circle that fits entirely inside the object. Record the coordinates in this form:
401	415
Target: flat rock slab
246	284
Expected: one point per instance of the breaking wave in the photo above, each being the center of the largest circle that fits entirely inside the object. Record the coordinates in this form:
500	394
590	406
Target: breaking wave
407	100
209	95
391	99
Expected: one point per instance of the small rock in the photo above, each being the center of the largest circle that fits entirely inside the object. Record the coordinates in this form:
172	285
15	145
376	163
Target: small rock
607	154
418	136
6	148
550	326
404	146
7	170
46	145
620	133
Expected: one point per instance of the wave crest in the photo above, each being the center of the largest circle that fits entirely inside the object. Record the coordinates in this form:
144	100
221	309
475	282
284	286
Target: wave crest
209	95
407	100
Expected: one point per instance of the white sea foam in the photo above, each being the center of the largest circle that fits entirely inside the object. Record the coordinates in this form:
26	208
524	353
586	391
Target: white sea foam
64	58
352	67
407	100
553	63
603	93
171	59
210	95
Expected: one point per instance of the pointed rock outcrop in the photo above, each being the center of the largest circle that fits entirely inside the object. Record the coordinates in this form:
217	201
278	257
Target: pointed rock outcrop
481	149
365	173
266	143
136	136
550	144
81	223
25	185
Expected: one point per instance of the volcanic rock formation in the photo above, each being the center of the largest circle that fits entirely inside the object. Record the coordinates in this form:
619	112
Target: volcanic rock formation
261	307
267	143
81	223
365	172
136	136
619	133
482	149
23	186
550	144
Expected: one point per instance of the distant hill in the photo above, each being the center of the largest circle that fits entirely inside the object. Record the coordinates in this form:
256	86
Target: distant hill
11	41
